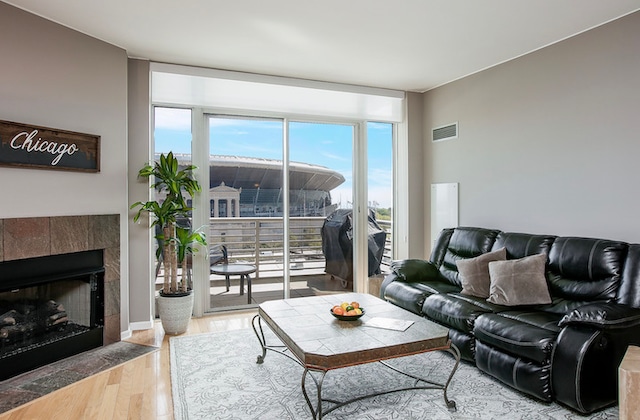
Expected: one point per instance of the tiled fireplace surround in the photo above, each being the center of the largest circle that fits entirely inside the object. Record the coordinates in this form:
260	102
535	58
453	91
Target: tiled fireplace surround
22	238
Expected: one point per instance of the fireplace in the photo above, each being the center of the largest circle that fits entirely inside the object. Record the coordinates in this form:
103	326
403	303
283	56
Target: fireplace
54	248
51	307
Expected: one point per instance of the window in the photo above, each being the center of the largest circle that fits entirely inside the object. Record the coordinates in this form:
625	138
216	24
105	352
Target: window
285	153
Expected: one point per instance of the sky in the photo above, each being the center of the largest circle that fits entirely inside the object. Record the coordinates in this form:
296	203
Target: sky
328	145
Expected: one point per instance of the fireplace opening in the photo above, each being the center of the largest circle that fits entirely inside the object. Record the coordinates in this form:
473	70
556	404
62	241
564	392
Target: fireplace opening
50	308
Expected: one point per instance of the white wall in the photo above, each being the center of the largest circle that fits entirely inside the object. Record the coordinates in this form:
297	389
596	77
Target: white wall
548	143
55	77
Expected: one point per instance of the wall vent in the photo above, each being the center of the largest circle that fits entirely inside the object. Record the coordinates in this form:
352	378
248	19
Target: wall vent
446	132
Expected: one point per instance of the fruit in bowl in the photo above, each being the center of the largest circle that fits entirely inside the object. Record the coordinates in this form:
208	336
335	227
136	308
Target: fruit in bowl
347	311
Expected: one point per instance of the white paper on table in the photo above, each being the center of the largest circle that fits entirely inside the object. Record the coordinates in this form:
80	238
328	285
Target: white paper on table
388	323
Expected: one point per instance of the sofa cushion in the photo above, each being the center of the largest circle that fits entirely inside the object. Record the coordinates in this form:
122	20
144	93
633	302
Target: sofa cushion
480	302
440	246
465	242
466	344
520	245
415	270
436	287
519	282
629	293
561	306
453	312
405	295
530	378
586	269
545	320
530	335
474	272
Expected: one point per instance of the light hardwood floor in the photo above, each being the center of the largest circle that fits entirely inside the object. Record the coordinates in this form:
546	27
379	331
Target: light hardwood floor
138	389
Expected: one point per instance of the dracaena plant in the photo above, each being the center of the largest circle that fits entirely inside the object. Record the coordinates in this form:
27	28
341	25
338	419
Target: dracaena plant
185	239
170	179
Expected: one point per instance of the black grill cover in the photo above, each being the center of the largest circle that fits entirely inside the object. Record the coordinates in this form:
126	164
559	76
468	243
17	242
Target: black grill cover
337	244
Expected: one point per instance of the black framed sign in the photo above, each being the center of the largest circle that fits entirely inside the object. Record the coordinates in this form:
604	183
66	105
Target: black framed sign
24	145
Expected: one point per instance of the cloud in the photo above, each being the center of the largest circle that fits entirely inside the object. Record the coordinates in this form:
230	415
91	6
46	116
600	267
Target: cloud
335	157
381	176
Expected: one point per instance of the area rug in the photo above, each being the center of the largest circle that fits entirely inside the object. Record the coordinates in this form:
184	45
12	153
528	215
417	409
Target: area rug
215	376
21	389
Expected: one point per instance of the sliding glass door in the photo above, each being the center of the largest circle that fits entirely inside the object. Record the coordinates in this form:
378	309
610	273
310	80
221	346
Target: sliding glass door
380	197
321	202
252	205
279	200
246	208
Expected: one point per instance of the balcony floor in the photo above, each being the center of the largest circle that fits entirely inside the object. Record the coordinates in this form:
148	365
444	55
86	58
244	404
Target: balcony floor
271	289
311	283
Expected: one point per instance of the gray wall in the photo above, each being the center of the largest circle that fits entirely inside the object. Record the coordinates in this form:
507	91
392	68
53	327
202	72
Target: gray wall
412	213
549	142
141	266
55	77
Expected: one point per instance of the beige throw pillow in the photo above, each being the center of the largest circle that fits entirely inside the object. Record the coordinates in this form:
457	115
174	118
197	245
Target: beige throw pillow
519	282
474	272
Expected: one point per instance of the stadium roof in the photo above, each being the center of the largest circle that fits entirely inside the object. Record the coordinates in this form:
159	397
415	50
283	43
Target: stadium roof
252	173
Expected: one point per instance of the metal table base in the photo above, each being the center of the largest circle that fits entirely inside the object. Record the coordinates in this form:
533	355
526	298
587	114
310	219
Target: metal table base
317	409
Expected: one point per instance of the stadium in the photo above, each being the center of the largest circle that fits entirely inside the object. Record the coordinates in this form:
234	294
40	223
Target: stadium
252	187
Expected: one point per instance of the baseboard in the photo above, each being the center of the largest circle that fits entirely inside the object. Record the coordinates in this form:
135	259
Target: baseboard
143	325
126	334
135	326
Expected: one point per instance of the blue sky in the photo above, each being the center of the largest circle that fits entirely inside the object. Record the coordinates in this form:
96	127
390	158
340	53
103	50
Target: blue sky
328	145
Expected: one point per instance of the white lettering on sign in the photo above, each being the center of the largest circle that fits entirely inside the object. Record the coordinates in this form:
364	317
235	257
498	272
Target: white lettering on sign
27	141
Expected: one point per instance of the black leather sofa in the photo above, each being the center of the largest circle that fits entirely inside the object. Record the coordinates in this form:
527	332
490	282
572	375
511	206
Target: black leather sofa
567	350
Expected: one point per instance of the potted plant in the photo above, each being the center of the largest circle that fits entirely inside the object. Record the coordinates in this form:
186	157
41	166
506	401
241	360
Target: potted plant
185	238
175	303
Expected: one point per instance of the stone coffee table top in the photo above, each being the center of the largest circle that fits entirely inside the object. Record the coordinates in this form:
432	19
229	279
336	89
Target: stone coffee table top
322	342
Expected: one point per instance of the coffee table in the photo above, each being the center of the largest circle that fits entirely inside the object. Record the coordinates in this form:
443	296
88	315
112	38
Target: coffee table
319	342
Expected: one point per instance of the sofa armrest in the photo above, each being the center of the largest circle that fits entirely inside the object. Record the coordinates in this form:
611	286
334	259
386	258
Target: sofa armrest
603	316
588	351
410	271
415	270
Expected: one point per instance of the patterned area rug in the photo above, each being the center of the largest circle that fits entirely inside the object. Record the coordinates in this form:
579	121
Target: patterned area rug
215	376
21	389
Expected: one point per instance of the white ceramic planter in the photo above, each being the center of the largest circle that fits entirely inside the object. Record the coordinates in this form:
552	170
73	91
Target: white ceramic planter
175	313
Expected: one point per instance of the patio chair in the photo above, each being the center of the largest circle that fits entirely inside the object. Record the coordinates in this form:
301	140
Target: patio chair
218	255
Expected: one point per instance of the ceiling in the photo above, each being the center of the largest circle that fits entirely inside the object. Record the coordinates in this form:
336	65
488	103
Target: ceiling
412	45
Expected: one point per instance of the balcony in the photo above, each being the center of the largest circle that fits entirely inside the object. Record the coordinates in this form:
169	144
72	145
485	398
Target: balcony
258	241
